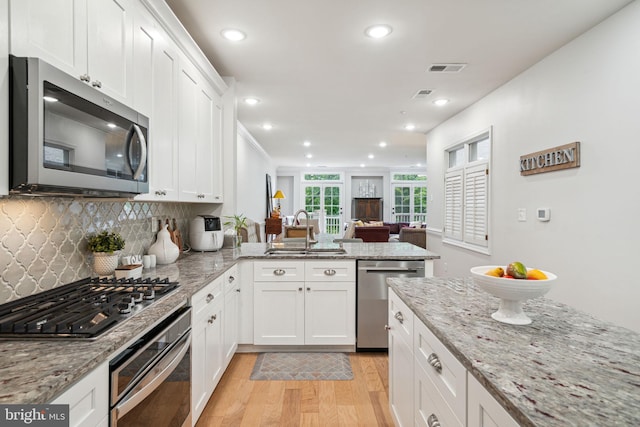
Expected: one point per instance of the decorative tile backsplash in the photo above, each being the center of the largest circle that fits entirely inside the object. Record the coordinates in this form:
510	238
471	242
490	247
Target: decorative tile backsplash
43	240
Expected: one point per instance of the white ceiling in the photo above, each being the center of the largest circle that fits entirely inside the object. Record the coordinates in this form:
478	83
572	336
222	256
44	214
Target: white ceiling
319	78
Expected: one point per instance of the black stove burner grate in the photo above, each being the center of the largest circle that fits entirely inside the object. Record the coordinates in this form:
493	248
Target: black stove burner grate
82	309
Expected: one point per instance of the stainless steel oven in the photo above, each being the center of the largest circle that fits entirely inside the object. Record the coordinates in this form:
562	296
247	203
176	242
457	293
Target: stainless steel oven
150	382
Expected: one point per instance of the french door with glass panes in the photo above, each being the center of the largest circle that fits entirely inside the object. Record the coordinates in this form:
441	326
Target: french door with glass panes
409	202
324	202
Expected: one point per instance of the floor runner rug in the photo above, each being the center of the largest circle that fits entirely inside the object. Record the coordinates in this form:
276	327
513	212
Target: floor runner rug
302	366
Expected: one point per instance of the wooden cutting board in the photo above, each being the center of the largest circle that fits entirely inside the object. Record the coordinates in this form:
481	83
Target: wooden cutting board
177	237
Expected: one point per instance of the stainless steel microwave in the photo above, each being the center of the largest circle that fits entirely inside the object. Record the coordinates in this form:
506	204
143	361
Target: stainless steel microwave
68	138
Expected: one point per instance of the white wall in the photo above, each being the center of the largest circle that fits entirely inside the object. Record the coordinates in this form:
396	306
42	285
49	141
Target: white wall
252	166
587	91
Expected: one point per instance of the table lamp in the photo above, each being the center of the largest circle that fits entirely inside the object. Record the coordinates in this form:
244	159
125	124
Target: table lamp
279	195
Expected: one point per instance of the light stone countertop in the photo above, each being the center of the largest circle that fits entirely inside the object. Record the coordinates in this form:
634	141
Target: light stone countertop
36	371
564	369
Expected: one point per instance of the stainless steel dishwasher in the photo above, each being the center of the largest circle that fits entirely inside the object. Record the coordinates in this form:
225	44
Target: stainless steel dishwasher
373	296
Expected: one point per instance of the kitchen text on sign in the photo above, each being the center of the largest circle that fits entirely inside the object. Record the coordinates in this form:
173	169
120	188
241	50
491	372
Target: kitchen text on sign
562	157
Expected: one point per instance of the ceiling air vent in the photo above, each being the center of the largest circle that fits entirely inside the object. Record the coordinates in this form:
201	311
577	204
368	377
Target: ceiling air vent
422	93
446	68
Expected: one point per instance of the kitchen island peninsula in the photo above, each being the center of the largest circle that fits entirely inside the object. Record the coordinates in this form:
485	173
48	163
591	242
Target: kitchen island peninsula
564	369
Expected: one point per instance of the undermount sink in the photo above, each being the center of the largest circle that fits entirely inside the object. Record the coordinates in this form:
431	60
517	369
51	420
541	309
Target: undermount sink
283	250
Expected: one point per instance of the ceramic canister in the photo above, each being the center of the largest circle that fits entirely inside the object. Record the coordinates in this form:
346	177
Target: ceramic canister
164	249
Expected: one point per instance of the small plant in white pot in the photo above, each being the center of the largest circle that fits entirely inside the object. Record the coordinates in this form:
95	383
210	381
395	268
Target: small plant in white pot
106	247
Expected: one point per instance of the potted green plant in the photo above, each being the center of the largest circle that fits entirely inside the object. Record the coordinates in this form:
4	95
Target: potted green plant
105	247
238	222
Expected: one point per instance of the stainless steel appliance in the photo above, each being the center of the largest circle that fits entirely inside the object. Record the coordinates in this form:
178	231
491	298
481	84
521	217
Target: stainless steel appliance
150	382
84	309
205	233
69	138
373	296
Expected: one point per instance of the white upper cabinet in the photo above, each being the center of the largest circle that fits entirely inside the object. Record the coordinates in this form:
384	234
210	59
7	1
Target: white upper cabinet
199	133
91	40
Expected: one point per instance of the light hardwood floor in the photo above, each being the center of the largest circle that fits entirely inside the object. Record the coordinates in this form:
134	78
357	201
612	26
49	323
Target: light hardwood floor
364	401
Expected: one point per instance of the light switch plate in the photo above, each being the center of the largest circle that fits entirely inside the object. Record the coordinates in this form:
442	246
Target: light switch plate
522	214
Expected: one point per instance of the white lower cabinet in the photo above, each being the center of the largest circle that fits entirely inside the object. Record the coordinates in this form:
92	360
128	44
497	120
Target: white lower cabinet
207	355
304	303
401	377
483	410
88	399
230	320
428	386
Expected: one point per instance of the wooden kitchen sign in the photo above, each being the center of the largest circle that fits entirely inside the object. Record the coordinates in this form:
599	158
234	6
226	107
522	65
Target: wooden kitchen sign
553	159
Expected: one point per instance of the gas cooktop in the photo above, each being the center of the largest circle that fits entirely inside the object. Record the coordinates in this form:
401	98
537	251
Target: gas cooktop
83	309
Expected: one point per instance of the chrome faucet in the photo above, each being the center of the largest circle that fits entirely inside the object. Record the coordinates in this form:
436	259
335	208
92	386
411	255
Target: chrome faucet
306	236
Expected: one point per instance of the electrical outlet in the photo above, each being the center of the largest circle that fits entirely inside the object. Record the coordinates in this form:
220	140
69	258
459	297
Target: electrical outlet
522	214
154	224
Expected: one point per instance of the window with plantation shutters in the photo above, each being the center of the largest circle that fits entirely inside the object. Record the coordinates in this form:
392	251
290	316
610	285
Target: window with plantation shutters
466	193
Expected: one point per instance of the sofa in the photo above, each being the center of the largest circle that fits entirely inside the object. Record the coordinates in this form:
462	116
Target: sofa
378	231
372	233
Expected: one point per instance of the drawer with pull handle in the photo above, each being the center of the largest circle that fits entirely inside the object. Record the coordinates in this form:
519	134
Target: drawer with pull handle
330	271
278	271
446	373
400	319
205	297
431	410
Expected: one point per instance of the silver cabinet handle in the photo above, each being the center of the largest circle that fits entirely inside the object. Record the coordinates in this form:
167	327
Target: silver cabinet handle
212	318
161	192
387	327
96	83
85	77
279	272
308	289
434	361
299	289
200	196
433	421
231	279
238	290
399	317
209	298
330	272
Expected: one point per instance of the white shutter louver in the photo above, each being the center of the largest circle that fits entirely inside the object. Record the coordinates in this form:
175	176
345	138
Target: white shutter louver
453	205
475	205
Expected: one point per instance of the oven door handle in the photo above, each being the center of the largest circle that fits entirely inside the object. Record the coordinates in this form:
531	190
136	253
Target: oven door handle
156	376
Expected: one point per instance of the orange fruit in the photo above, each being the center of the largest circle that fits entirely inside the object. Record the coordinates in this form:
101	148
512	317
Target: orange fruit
534	274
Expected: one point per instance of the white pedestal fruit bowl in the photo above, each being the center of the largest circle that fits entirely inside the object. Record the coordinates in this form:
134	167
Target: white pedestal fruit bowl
512	292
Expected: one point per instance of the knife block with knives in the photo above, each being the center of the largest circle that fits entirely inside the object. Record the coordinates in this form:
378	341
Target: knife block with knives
174	232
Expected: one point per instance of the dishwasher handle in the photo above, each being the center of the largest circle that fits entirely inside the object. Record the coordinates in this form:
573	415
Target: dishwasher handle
378	270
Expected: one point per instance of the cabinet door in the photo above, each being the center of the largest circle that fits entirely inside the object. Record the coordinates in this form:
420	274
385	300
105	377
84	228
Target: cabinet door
62	42
198	368
109	47
483	410
278	313
145	42
231	319
400	380
217	166
88	399
245	272
430	406
207	104
187	129
330	310
163	129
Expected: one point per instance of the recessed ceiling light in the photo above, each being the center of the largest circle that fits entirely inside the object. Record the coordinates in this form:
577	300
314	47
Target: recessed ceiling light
233	34
418	164
409	126
370	156
382	144
378	31
361	165
306	144
251	101
441	102
308	165
267	126
308	156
